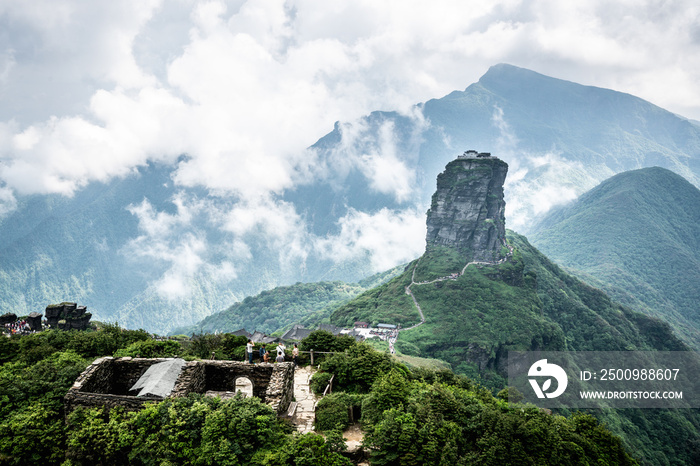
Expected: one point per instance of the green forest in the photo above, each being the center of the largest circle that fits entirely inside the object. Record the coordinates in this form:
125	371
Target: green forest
636	236
409	416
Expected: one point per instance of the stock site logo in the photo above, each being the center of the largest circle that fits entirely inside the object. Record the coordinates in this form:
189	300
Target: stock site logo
542	369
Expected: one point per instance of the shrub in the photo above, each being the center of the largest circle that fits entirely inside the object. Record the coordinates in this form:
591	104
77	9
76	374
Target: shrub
325	341
319	381
333	411
188	430
356	369
388	391
31	435
303	450
151	349
225	346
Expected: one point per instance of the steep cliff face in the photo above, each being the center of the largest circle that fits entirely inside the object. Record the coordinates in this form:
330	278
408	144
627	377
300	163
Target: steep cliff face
467	210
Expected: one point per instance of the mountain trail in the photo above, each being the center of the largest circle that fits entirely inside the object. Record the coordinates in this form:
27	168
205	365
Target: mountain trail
453	276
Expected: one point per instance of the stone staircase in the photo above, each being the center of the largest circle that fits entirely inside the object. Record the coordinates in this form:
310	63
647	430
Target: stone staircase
302	410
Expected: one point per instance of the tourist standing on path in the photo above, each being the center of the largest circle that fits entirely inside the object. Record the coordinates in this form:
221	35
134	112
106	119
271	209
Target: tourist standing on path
295	355
280	352
249	349
263	354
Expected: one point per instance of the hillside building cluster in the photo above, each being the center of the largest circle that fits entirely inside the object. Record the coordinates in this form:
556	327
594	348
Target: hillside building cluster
360	331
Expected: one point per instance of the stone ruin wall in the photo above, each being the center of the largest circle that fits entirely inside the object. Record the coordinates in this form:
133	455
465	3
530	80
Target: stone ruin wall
107	380
192	379
280	390
106	383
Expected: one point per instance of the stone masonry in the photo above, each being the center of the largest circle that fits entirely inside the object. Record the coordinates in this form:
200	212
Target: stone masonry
106	382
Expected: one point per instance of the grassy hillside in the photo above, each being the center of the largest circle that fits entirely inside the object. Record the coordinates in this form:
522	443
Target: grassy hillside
637	236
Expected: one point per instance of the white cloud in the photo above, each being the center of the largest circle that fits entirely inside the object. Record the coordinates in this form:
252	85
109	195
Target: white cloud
8	203
388	237
244	87
176	241
271	221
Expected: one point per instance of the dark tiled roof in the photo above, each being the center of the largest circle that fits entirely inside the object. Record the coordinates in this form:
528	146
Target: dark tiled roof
242	333
296	333
330	328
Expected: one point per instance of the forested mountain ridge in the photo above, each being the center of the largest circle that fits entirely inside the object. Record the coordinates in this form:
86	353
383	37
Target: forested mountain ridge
279	308
637	236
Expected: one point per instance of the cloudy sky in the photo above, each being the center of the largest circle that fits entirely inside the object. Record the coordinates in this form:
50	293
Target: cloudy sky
90	89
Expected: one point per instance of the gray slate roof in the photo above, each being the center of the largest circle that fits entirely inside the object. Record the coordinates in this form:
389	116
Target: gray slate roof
356	335
259	337
159	379
241	333
296	333
330	328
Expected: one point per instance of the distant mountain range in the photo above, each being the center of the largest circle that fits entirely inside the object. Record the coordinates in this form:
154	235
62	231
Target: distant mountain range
637	236
104	247
559	138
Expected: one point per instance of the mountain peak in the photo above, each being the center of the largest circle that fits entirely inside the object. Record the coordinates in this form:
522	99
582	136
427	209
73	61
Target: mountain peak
467	209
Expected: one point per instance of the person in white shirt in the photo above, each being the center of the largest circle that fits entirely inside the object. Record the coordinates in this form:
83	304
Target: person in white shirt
280	352
249	349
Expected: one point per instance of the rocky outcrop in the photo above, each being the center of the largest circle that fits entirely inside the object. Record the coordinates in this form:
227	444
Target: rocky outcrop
67	316
34	321
467	210
8	318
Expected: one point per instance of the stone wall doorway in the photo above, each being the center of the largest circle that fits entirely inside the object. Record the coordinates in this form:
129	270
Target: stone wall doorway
244	385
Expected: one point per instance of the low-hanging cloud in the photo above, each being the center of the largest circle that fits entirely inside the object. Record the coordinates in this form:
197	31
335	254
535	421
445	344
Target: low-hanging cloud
536	182
385	157
177	239
388	237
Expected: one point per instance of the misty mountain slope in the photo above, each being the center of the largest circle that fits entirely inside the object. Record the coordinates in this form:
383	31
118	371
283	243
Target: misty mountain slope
147	252
637	236
279	308
86	249
55	248
563	138
600	127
